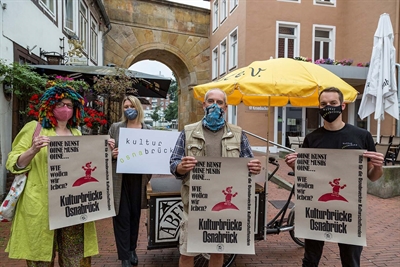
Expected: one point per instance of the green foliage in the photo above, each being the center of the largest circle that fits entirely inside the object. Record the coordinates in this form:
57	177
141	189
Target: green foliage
173	90
23	81
171	113
155	115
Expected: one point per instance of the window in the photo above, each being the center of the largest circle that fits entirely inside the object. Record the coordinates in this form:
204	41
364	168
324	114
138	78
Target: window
215	15
223	59
49	5
69	15
93	40
214	73
233	4
323	42
224	10
233	49
83	25
288	40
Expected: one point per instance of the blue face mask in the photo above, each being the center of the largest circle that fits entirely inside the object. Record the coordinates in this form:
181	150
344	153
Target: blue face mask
131	113
214	118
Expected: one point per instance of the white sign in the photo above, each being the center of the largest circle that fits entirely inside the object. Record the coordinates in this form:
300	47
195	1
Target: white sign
145	151
80	180
82	61
221	205
261	108
330	199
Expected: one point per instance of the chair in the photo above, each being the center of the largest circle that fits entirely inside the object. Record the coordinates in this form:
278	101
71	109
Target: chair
295	141
395	140
301	140
385	139
384	149
375	138
397	158
394	149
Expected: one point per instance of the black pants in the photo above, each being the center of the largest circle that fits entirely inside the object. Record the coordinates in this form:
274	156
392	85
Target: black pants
126	223
349	254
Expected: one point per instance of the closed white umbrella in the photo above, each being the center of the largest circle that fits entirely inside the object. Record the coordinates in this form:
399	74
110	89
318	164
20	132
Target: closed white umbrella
380	92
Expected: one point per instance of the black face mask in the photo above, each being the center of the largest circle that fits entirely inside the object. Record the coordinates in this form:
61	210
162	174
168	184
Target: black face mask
330	113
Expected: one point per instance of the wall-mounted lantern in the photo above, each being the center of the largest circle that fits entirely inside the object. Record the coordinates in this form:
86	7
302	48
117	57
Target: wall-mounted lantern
54	58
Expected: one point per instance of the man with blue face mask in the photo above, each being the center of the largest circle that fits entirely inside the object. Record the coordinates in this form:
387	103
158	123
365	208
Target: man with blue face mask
212	137
336	134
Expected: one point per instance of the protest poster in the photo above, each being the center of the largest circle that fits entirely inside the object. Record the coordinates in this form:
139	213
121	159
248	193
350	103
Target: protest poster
145	151
221	207
330	197
80	180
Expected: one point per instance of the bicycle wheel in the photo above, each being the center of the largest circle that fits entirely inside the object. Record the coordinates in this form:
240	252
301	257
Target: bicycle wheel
297	240
202	260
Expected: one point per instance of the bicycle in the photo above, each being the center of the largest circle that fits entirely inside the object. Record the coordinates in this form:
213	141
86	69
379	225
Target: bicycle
165	197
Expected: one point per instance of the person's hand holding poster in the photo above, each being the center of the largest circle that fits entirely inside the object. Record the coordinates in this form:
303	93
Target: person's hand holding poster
145	151
221	205
331	199
80	180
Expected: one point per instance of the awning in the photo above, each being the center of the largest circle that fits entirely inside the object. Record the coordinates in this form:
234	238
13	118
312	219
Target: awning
159	88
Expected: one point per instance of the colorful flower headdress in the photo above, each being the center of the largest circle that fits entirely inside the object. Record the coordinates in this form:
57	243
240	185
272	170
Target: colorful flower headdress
51	97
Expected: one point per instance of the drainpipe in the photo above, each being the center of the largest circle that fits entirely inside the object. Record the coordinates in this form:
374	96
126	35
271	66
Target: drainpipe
106	21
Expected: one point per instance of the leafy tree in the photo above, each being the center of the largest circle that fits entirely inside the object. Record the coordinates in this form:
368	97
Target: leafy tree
155	115
171	113
114	86
173	90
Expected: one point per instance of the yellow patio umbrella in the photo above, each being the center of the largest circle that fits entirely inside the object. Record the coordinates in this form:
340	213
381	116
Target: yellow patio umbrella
277	82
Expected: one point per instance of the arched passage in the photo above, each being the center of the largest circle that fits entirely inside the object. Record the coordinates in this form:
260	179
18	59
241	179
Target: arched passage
185	76
173	34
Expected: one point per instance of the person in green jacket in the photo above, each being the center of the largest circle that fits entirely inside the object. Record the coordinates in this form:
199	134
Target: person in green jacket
61	111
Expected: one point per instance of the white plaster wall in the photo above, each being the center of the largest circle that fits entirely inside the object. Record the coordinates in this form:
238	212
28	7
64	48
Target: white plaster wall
26	25
6	53
23	23
5	137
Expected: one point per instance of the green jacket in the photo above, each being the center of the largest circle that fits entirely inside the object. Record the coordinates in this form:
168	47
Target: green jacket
30	237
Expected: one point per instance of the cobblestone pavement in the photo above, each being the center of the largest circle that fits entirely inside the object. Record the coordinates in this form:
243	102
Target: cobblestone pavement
383	240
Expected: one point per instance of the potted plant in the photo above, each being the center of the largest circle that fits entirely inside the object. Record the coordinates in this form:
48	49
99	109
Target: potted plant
20	81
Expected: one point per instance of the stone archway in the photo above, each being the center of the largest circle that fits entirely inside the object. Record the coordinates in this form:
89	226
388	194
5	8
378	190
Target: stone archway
173	34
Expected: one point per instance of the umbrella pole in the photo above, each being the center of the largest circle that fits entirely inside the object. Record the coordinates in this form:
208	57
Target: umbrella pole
266	173
378	130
